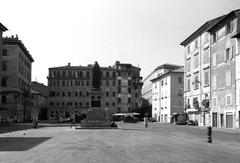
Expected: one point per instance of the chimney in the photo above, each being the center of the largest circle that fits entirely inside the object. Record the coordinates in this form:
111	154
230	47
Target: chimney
69	64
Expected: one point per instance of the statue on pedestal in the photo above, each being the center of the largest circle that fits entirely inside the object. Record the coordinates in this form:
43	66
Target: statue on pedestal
96	76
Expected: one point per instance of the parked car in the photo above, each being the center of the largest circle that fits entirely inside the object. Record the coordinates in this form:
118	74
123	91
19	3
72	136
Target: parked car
192	123
152	119
61	119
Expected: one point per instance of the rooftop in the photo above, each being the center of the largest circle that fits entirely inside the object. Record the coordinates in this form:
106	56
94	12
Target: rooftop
2	27
15	41
200	30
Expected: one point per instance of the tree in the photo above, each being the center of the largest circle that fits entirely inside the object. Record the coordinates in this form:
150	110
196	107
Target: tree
145	109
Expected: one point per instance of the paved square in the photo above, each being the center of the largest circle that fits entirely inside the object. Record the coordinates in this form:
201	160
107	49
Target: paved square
129	143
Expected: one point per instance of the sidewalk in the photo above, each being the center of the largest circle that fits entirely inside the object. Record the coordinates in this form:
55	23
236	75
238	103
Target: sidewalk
226	130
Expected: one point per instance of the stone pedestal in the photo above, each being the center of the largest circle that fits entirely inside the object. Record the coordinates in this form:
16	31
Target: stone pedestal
96	114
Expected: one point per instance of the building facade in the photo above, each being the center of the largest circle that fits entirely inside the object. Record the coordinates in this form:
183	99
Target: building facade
39	95
69	88
167	92
210	91
224	88
3	112
16	67
197	74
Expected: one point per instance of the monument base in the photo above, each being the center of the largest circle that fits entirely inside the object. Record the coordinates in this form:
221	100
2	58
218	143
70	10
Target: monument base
95	119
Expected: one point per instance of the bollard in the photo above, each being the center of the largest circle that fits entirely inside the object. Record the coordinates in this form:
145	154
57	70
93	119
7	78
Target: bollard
209	134
146	122
35	123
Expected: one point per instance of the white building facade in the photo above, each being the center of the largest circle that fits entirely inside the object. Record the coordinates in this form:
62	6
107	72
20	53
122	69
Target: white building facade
167	93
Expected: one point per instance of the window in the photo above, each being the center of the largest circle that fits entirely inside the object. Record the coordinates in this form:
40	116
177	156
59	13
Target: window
119	89
88	74
228	99
76	94
129	100
87	82
214	78
119	82
214	37
114	74
113	94
113	104
4	52
113	83
4	99
107	74
107	94
196	82
206	77
69	94
179	80
87	94
228	28
206	55
188	84
205	38
221	33
228	55
4	66
129	90
188	49
196	44
83	83
129	82
162	82
63	94
119	100
107	103
188	64
63	83
196	61
228	78
4	81
80	94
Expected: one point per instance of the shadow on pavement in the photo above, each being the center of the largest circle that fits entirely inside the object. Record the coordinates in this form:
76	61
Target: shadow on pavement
20	143
16	127
133	129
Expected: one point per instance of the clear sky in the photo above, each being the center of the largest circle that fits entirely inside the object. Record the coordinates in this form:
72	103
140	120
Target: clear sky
141	32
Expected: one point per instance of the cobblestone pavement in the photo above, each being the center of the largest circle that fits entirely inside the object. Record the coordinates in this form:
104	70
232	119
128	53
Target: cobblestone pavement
129	143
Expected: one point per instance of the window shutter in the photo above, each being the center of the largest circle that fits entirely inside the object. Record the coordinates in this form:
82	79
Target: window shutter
225	55
231	52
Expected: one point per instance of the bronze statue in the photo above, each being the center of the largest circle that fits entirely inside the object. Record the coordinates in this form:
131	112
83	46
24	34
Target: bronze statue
96	76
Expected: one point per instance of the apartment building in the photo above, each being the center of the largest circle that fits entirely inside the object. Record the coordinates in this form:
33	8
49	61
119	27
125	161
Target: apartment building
3	112
16	68
147	81
69	88
39	95
224	68
167	92
210	73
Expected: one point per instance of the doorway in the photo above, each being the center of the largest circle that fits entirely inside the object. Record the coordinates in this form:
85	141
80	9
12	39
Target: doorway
221	120
214	119
229	121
